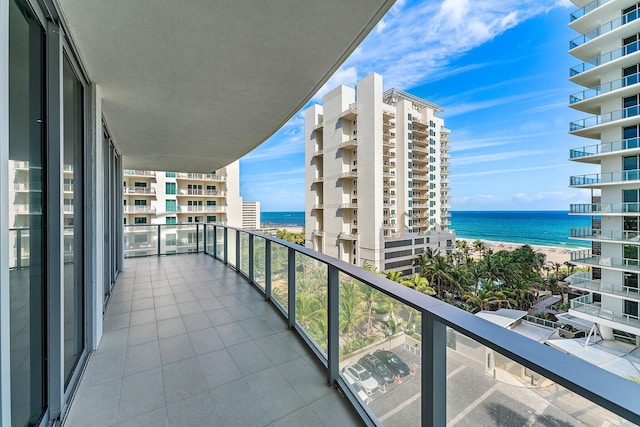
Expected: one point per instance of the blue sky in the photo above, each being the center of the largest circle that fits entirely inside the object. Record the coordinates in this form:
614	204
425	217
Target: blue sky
499	68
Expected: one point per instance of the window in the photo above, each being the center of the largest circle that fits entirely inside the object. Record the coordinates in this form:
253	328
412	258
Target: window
170	205
170	174
190	219
140	220
631	308
409	136
140	202
171	240
170	188
125	221
211	202
140	184
211	218
171	220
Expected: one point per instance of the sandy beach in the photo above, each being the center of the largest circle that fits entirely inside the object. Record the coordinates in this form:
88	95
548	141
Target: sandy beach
554	253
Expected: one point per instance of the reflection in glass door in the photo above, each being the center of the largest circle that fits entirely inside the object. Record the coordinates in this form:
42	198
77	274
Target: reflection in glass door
27	285
73	271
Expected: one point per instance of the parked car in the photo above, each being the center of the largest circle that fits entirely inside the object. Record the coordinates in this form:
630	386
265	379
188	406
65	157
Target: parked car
362	378
393	362
357	390
377	369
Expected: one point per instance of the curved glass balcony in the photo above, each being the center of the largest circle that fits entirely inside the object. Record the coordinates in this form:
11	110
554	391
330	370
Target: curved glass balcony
597	179
611	235
587	258
603	29
604	148
611	116
586	305
604	208
604	88
582	280
603	59
588	8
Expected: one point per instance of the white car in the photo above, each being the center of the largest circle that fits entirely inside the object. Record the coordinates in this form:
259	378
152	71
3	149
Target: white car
357	390
362	377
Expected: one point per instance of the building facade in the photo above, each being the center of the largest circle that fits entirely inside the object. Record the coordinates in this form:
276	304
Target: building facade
377	176
608	45
251	215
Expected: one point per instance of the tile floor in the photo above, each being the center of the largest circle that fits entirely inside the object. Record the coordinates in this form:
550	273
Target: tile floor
188	342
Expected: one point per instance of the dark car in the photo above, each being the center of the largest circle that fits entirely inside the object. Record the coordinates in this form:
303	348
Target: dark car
393	362
378	370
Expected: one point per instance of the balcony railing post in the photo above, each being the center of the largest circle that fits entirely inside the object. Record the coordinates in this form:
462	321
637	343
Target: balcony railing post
238	250
19	248
333	324
291	286
434	371
251	265
204	238
158	239
226	245
197	237
215	242
267	269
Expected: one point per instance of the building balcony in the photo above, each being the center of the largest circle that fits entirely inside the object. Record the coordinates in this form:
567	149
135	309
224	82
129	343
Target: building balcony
444	171
318	206
21	165
348	206
200	192
445	181
140	191
419	131
420	206
445	130
420	177
592	42
420	149
389	144
348	175
388	114
417	122
388	124
597	235
350	113
586	305
599	180
139	209
420	196
352	143
347	236
387	164
588	73
317	233
590	100
388	154
583	281
212	209
585	257
318	179
67	188
596	152
444	146
604	209
130	172
318	126
420	159
389	174
201	176
389	226
591	127
318	153
445	214
388	184
387	135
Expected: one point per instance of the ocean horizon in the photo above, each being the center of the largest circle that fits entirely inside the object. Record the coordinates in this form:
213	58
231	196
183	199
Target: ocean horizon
546	228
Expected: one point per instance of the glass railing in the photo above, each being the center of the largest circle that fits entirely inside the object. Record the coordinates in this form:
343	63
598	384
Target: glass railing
604	208
604	28
403	358
604	118
588	8
586	305
604	148
162	239
605	58
586	257
19	253
597	234
604	88
605	178
582	280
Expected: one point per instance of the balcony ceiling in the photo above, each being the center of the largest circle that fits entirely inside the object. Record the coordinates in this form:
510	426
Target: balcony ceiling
194	85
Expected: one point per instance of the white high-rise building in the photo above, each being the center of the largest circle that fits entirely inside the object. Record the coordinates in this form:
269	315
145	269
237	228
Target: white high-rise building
251	215
377	176
609	47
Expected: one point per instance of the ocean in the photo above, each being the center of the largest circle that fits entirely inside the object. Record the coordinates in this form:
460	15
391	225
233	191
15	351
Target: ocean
549	228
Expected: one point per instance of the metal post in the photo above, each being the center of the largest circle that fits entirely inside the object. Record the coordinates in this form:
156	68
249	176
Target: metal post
197	237
333	323
251	260
226	246
19	248
204	238
215	242
238	250
267	270
434	371
291	286
158	239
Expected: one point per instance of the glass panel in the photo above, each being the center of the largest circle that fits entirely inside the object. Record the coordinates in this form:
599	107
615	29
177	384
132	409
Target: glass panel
279	274
485	387
231	247
380	352
311	299
209	242
244	252
259	261
140	240
27	286
185	238
220	243
73	272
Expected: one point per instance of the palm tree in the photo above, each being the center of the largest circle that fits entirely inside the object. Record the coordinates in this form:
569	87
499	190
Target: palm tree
351	313
394	276
420	284
463	247
372	298
438	272
479	246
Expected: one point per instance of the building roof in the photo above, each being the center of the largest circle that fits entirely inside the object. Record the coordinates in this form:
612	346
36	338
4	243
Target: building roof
390	95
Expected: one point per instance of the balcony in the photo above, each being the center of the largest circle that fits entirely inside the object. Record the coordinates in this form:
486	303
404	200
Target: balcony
388	154
416	121
420	177
318	153
139	209
388	164
318	206
585	257
590	100
388	124
348	175
386	135
583	281
133	172
389	114
208	209
599	180
389	144
592	234
586	305
348	206
594	153
200	192
352	143
347	236
318	126
317	233
141	191
350	113
588	73
318	179
591	42
591	127
201	176
388	184
604	209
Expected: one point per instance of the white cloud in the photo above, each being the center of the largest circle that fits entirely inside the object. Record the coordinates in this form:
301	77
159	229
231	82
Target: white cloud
500	171
503	155
344	76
